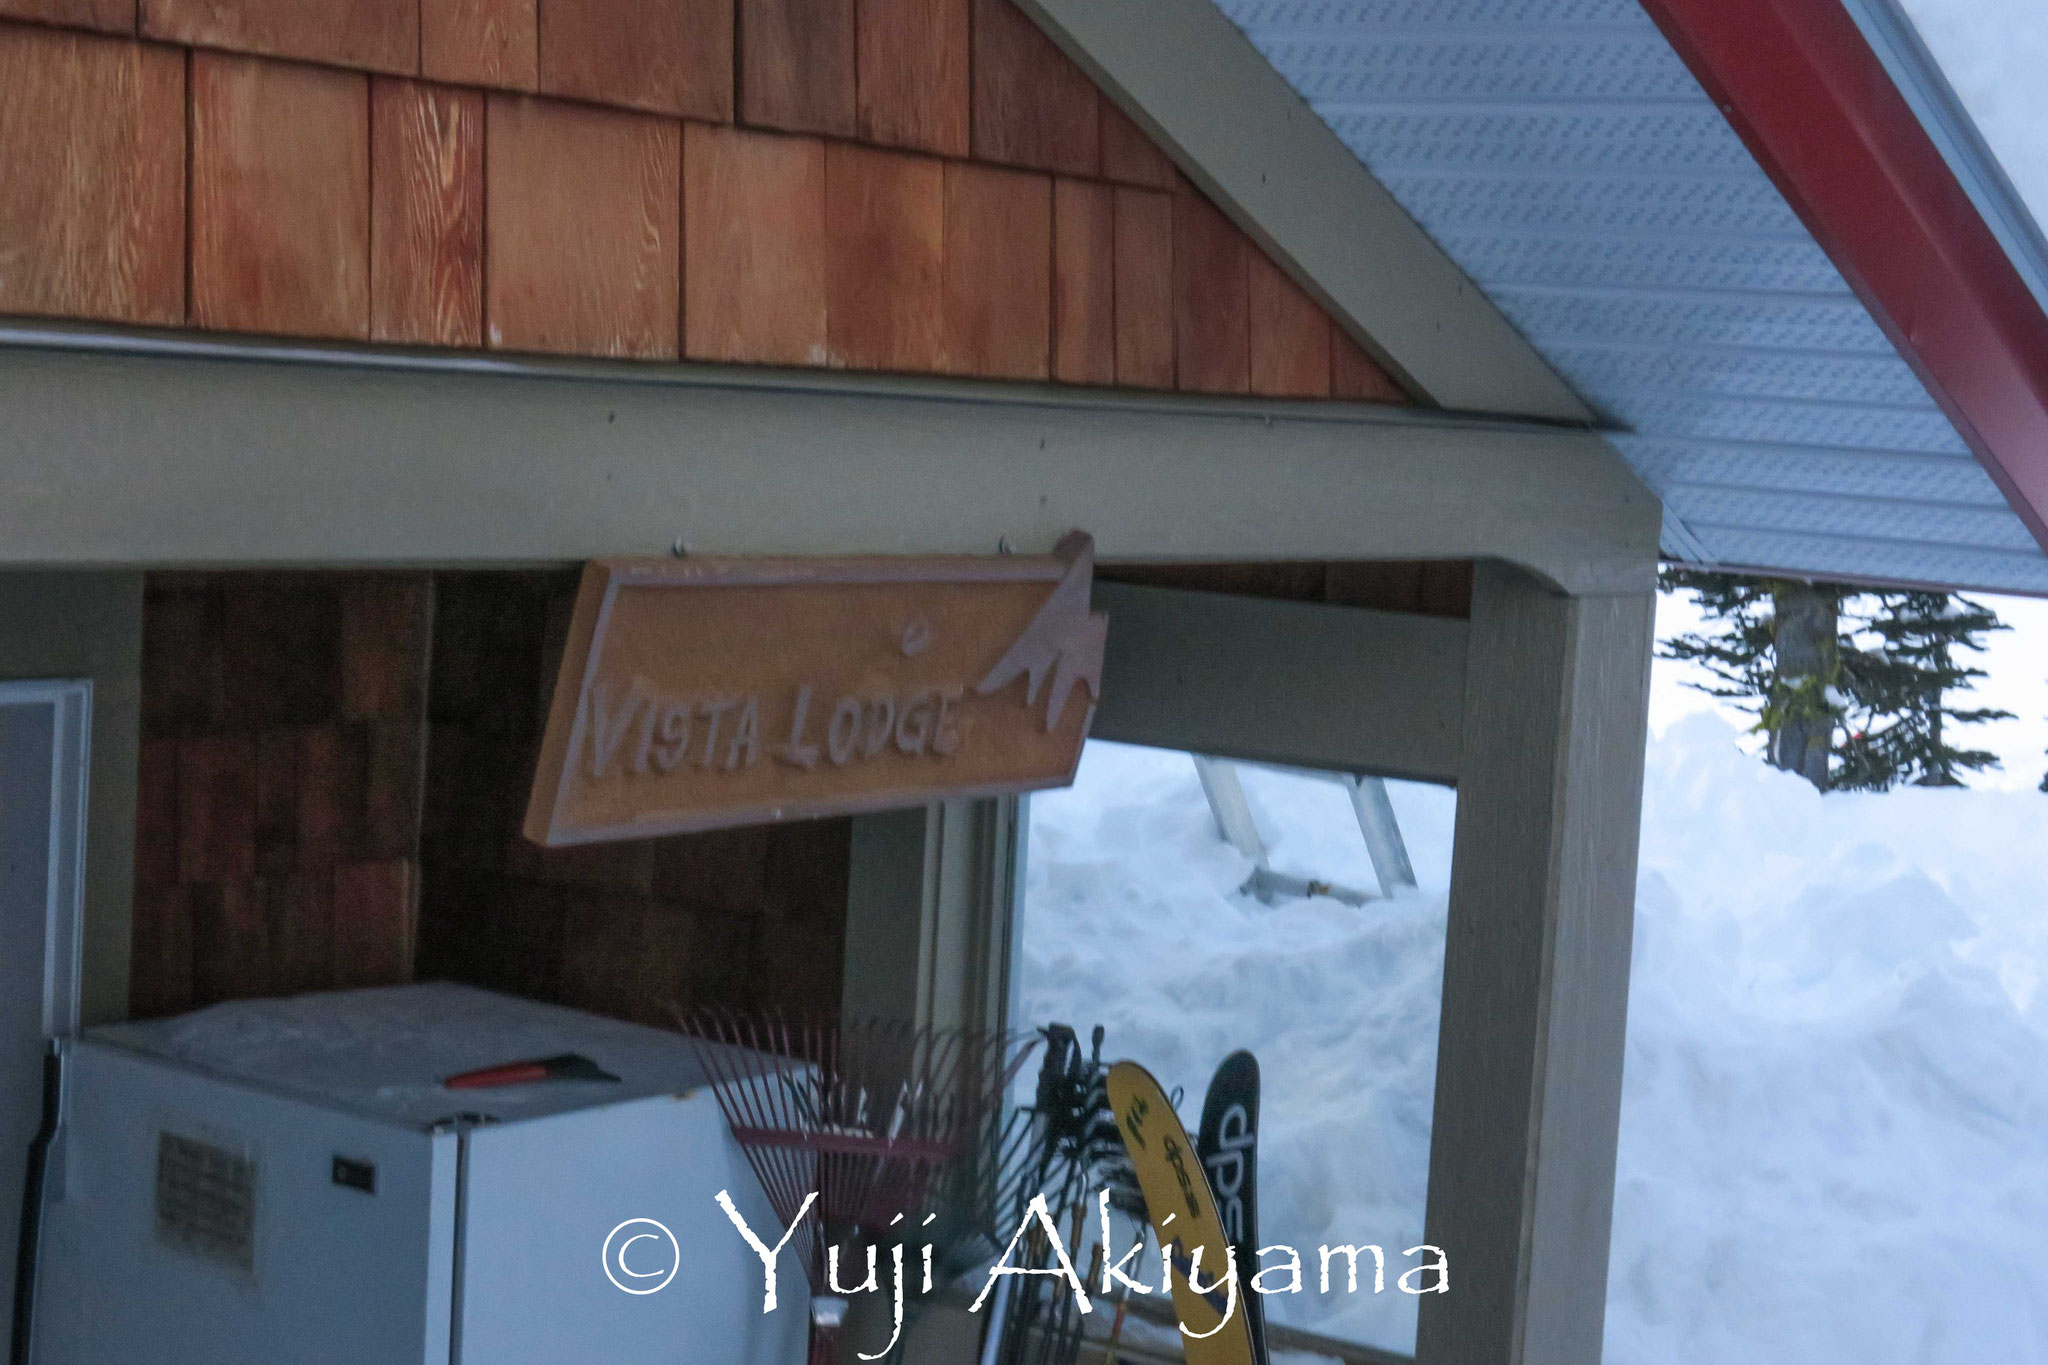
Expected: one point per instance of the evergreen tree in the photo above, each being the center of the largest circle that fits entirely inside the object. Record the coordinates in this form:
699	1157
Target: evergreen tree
1840	712
1778	654
1899	693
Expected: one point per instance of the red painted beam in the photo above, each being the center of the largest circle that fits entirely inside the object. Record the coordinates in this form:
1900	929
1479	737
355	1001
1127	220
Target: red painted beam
1815	105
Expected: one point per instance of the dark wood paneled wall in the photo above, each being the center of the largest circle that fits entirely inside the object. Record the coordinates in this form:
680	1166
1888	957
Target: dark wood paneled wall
333	771
923	186
277	826
748	918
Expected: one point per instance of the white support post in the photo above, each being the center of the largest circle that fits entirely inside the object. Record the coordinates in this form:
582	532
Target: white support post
1536	964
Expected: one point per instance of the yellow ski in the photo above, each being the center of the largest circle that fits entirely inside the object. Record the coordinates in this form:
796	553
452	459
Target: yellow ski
1184	1218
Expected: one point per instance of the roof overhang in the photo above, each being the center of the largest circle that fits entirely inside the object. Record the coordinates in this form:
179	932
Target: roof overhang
1758	243
1184	73
1811	98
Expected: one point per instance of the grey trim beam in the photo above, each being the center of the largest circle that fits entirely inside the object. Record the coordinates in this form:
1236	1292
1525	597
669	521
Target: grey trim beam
1182	70
143	461
1283	682
1536	967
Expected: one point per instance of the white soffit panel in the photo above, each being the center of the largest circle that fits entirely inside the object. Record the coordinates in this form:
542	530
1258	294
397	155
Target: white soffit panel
1560	153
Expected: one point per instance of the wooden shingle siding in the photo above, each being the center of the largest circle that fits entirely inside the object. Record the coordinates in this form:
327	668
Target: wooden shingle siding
998	274
1144	289
230	941
216	808
427	214
753	247
913	74
373	35
160	950
111	16
1130	157
1356	376
632	929
1084	293
383	625
796	65
583	210
1211	297
279	800
884	256
1032	106
373	922
280	198
491	43
1290	336
918	186
92	193
671	57
298	913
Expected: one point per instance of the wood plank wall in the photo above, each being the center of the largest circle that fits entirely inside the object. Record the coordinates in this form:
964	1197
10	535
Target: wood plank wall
925	186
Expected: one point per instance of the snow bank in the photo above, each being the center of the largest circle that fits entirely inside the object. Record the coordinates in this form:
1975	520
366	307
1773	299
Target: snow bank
1835	1114
1132	920
1835	1117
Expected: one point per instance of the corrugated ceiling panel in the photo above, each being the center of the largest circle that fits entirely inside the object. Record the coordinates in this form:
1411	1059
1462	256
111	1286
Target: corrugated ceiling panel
1561	153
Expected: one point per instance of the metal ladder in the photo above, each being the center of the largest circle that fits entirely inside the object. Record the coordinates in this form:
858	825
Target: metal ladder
1240	829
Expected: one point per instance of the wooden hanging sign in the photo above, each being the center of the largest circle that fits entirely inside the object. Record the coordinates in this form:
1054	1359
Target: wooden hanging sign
696	694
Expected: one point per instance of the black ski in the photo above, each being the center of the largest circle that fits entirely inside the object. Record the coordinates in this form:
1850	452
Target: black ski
1228	1145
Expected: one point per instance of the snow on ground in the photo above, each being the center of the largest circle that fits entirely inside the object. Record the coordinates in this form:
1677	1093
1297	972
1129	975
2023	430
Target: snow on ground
1835	1116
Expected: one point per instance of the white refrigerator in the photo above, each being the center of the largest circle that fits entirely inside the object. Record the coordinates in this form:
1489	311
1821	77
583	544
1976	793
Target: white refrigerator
288	1182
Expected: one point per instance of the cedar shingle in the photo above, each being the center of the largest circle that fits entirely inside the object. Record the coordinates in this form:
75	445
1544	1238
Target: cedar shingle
1032	106
92	197
1211	298
427	214
160	957
1084	293
373	923
1290	336
884	256
583	229
671	57
1356	376
492	43
376	35
998	274
216	808
913	74
112	16
796	65
280	198
1144	289
383	627
753	247
1128	155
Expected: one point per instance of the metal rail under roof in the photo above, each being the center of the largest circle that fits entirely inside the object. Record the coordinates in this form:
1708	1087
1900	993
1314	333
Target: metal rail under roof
1562	154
